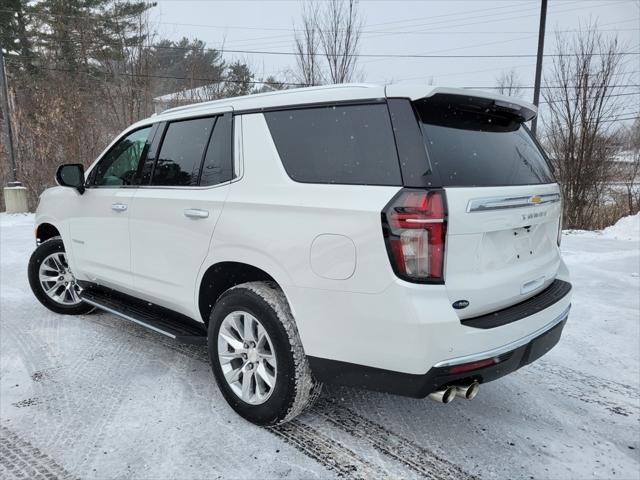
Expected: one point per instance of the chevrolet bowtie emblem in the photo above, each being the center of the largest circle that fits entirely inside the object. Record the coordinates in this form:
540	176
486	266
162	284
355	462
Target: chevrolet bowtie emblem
536	199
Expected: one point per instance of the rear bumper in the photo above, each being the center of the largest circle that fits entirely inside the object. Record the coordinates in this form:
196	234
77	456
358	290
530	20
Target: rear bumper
503	360
407	328
539	302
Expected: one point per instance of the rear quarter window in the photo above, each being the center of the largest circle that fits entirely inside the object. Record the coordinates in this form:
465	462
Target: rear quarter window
347	144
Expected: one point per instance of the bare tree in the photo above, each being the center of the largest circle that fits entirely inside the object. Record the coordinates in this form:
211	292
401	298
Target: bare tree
328	41
508	83
307	40
128	92
628	168
579	133
340	27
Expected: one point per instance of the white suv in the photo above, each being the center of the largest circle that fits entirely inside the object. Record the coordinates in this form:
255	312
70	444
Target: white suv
397	238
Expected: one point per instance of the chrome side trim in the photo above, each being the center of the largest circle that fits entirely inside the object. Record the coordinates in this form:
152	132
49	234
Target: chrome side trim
474	357
424	220
127	317
501	203
164	187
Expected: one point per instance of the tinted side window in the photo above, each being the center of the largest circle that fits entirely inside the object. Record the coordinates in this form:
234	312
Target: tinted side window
120	164
181	153
218	162
350	144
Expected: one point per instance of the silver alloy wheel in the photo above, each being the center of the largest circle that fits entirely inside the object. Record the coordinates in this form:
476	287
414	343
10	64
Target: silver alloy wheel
247	357
57	281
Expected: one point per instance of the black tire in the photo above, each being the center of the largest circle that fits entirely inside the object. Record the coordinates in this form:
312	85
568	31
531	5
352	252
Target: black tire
43	250
295	389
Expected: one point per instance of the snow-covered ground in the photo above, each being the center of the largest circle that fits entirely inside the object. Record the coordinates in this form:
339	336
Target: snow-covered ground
97	397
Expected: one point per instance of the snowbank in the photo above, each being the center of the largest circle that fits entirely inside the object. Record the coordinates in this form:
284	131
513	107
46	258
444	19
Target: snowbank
15	219
627	228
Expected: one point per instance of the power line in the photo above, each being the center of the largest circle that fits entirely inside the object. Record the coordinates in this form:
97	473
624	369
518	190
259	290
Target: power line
170	77
366	55
496	17
199	79
453	14
574	99
366	34
366	31
408	55
484	22
619	119
287	29
464	47
458	14
614	118
492	69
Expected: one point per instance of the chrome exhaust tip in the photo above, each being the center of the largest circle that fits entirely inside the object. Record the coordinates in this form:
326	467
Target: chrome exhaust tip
467	392
445	395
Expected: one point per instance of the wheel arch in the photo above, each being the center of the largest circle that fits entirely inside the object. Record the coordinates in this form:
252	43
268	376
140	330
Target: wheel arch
223	275
45	231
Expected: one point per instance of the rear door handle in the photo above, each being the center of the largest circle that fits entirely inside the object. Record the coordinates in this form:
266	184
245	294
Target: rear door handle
196	213
118	207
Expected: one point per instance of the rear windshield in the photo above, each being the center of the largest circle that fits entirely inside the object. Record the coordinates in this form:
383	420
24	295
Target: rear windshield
346	144
471	142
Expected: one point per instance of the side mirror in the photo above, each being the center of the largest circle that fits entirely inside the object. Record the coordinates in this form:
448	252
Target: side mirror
71	175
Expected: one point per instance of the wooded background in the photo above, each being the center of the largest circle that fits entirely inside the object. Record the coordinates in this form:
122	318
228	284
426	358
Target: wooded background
80	71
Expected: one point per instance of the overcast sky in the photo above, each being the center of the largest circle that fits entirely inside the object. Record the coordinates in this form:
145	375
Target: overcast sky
410	27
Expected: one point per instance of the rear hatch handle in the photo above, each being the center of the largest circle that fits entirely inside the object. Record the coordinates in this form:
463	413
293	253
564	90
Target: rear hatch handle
532	285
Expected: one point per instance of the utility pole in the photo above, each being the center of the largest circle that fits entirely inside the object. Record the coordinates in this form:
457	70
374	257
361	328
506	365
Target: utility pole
15	195
7	120
536	87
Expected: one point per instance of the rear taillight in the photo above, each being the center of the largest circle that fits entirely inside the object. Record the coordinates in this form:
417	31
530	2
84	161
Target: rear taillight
414	226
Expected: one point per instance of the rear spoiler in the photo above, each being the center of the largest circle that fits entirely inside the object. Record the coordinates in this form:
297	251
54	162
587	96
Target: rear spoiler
525	111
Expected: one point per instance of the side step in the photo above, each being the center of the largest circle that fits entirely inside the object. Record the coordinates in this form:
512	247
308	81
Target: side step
171	324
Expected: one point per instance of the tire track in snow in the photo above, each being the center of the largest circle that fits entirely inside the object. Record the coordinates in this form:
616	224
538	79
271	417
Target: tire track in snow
333	455
37	356
592	381
131	344
327	452
20	459
80	369
390	444
589	389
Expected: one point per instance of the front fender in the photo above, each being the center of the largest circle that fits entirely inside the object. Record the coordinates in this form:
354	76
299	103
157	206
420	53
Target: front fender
53	208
